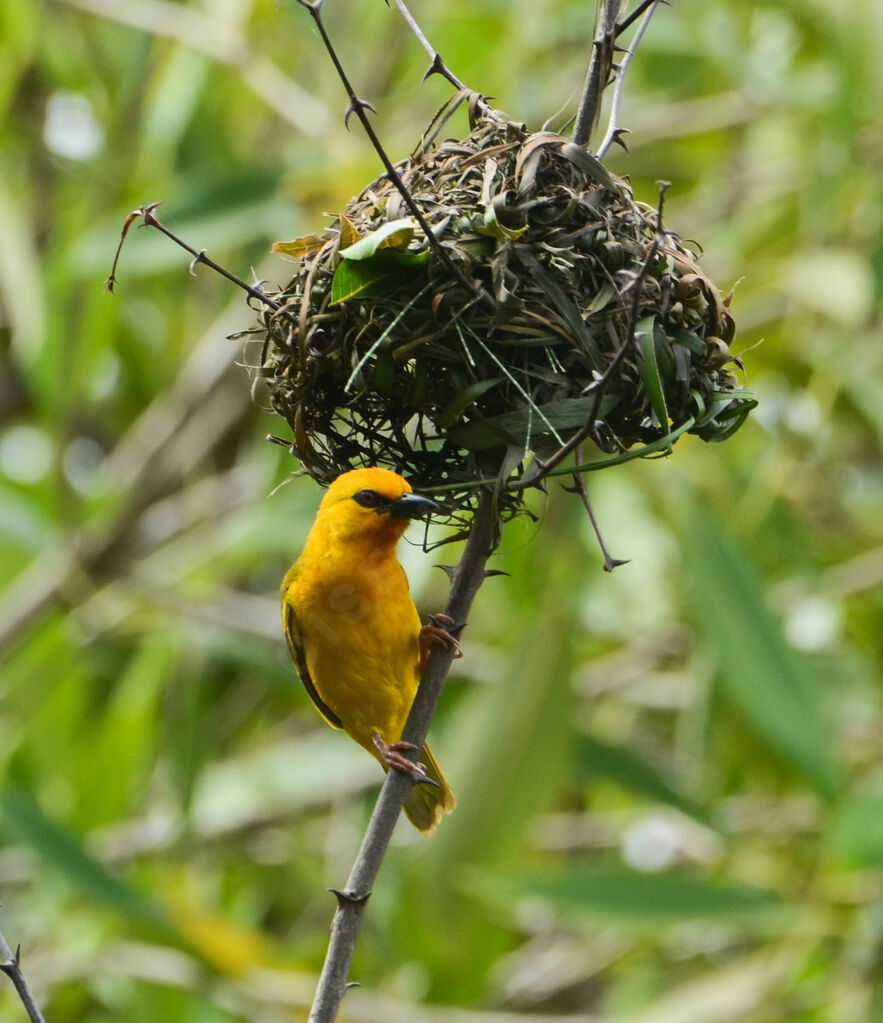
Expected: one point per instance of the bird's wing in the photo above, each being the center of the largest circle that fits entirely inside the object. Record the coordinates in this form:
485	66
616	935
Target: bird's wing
296	648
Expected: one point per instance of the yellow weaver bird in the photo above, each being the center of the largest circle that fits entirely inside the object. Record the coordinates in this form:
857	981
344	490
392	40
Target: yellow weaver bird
354	633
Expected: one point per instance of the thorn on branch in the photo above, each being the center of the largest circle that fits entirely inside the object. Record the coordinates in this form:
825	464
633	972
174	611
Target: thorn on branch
11	967
198	258
357	104
437	67
350	898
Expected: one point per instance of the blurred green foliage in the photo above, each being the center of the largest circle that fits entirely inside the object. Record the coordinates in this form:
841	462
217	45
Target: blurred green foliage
670	778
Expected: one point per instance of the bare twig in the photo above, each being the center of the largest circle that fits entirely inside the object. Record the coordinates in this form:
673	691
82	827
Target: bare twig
359	107
438	66
579	486
10	964
613	131
636	13
467	577
598	73
148	215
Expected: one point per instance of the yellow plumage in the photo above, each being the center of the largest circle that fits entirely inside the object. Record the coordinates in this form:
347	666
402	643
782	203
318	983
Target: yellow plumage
351	625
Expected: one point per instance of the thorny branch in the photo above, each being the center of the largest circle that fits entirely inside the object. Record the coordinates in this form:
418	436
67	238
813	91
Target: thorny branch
636	13
10	964
598	73
466	578
438	66
148	215
614	132
359	107
601	65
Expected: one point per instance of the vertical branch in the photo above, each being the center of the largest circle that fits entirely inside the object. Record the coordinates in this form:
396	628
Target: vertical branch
466	578
598	73
11	965
613	129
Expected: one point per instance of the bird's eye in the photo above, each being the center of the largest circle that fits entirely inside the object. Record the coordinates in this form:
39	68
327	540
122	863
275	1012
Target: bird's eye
366	498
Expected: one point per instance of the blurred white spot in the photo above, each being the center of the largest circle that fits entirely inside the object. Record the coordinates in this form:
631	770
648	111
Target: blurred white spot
651	843
106	376
813	623
81	462
25	454
802	413
71	128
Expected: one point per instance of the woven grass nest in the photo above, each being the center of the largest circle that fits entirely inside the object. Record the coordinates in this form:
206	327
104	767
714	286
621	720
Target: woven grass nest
379	355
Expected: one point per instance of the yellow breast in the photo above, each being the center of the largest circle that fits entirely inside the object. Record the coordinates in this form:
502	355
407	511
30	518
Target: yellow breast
359	629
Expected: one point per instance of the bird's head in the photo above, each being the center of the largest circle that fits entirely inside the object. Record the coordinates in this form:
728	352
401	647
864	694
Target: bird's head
376	504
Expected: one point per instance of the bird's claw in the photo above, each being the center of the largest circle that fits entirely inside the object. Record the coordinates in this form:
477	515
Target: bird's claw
442	631
392	755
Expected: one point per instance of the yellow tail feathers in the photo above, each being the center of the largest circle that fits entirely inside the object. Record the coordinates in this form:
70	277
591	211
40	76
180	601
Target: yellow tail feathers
426	803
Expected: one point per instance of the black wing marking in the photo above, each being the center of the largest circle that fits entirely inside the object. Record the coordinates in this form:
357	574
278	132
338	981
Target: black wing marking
295	646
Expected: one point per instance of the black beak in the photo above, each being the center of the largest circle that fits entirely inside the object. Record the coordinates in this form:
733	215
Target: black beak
411	506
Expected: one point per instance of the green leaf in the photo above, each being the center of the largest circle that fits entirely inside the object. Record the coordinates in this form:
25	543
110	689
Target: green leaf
758	671
611	894
602	759
722	413
395	235
649	369
855	836
687	339
62	849
369	278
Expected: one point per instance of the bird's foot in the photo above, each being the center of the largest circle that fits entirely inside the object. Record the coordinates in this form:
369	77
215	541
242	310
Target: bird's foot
392	755
442	631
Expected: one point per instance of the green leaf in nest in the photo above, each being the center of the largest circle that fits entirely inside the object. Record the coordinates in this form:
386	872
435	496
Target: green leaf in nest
721	413
380	274
395	235
649	369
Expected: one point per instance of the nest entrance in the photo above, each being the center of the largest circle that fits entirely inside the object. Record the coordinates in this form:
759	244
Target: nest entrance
393	362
